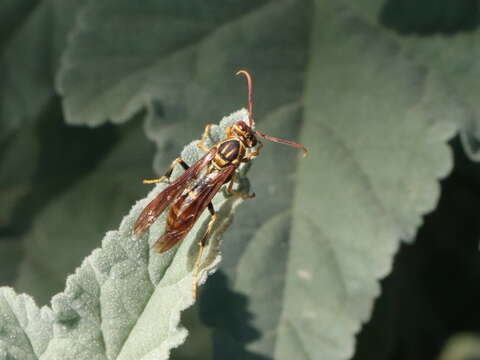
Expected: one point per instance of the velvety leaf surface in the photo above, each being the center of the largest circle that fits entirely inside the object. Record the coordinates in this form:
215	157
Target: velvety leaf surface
379	154
25	330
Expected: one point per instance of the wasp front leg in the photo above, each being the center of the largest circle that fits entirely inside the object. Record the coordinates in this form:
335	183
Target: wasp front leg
169	171
202	245
205	136
253	154
238	193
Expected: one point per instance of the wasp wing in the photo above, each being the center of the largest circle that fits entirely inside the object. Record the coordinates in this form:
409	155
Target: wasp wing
153	210
191	209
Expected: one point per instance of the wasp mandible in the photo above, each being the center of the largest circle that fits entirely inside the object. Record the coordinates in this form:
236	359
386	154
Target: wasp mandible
194	189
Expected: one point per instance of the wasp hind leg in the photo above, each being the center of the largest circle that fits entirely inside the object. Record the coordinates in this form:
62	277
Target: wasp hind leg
202	244
169	171
205	136
238	193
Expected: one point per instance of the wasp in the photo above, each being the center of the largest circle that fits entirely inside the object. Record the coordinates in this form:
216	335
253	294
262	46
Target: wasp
192	192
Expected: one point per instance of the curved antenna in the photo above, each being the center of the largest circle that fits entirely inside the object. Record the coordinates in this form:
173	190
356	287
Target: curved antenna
250	96
252	123
282	141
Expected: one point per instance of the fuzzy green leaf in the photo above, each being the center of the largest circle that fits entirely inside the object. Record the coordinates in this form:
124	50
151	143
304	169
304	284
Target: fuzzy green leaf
453	60
124	301
25	330
449	57
138	293
375	158
379	156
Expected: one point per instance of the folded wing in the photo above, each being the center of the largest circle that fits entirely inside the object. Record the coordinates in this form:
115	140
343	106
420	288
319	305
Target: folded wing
182	222
153	210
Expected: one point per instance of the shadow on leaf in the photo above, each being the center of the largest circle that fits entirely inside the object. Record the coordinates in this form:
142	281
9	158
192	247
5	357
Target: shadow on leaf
227	313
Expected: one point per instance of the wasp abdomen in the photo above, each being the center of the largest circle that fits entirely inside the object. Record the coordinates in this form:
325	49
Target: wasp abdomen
228	152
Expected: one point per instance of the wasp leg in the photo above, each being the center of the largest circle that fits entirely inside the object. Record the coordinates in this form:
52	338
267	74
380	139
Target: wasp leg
253	154
202	244
205	136
169	171
238	193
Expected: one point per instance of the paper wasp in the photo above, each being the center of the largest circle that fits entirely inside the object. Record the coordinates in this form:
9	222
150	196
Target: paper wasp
192	192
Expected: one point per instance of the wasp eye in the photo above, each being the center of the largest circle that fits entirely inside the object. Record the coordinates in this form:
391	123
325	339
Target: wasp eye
242	126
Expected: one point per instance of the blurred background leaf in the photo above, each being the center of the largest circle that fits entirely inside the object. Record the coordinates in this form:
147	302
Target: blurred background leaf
461	346
61	226
32	36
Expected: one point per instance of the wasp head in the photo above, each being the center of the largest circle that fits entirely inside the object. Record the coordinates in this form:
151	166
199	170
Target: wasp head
245	133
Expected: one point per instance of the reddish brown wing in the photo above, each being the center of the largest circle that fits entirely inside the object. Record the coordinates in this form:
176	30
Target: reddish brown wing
153	210
180	224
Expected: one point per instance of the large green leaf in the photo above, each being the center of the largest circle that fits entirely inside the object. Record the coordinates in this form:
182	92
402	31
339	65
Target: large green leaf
449	57
379	153
124	301
105	79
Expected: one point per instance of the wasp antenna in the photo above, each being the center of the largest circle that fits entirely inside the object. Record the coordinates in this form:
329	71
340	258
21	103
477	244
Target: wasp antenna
282	141
250	96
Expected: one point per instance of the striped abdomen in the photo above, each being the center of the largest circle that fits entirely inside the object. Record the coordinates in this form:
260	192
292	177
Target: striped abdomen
229	151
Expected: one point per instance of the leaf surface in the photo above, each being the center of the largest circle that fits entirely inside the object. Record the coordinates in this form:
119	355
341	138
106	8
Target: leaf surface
124	301
449	57
25	329
375	158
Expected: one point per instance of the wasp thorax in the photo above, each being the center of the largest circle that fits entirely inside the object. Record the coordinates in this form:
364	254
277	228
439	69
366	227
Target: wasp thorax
245	133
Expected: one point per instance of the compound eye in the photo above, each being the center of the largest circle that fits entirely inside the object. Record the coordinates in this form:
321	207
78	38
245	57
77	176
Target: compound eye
252	140
242	126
